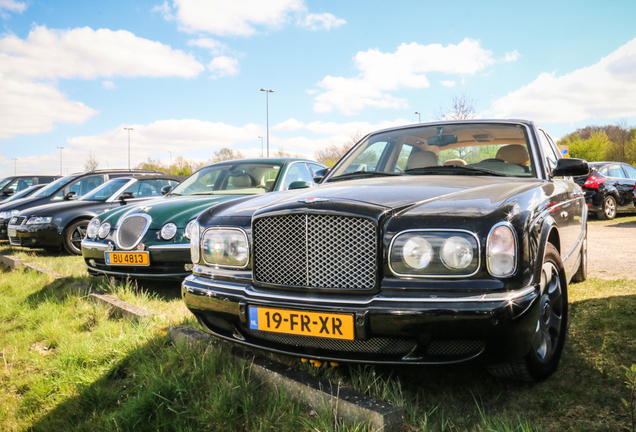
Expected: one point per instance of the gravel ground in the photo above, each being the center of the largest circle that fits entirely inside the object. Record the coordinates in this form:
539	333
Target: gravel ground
611	248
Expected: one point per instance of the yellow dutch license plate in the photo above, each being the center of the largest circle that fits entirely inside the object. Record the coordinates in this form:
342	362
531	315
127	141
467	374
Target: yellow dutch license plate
325	325
127	258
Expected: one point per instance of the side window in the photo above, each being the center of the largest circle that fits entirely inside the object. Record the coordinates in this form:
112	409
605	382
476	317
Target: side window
548	151
81	186
400	164
313	168
297	172
604	171
368	159
21	184
616	171
631	171
149	188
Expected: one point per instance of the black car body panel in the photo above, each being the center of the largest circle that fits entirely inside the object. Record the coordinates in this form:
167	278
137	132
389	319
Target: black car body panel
443	314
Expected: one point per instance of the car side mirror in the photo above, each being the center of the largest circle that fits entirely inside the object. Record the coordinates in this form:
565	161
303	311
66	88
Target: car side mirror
570	167
320	174
126	196
166	189
8	192
71	195
298	184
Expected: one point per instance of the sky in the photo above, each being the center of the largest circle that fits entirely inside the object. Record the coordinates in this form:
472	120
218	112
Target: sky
186	75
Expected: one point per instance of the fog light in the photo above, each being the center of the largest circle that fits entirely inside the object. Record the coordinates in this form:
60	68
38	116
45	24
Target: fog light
188	267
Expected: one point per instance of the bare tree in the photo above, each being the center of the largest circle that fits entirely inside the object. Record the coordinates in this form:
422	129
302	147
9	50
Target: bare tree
463	107
153	164
91	163
333	152
281	153
225	154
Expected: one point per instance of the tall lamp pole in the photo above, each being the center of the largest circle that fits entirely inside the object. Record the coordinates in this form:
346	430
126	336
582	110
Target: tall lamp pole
419	116
15	167
61	148
170	161
129	129
267	92
261	145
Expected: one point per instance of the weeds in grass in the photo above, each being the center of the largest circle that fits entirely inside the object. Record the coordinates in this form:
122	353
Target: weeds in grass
630	374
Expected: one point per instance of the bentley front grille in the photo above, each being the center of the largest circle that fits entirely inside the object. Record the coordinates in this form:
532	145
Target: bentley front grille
131	229
315	251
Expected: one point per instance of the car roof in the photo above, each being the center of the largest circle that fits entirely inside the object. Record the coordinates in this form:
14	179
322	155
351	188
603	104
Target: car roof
278	160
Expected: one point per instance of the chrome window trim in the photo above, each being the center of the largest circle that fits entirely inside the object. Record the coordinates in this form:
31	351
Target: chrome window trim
141	236
202	255
514	236
282	183
120	190
454	276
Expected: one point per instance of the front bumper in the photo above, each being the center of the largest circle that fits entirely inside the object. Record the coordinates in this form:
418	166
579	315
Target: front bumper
166	261
36	236
400	327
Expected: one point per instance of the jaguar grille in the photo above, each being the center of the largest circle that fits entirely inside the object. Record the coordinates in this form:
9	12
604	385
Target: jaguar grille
315	251
131	230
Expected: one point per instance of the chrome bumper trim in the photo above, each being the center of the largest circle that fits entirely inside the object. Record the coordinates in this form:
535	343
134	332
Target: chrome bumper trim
248	290
87	244
139	275
170	247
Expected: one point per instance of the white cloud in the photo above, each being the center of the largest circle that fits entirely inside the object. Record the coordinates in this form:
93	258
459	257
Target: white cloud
31	108
165	10
108	85
512	56
448	83
405	68
234	18
324	21
88	54
11	6
606	89
215	47
224	66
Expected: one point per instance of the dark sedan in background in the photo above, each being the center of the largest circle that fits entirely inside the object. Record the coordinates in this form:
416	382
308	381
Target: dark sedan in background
609	188
11	185
63	224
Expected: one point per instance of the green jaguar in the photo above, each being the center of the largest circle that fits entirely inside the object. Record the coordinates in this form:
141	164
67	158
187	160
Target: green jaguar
151	240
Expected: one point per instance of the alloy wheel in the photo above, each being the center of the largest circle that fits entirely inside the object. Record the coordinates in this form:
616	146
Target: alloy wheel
548	330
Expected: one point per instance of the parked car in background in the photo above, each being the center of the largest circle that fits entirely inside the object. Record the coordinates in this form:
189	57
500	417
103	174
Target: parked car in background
454	244
63	224
5	216
153	240
12	185
63	189
609	188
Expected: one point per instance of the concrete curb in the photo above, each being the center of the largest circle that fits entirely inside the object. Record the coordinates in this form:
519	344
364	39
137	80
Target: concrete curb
351	406
120	308
11	261
44	270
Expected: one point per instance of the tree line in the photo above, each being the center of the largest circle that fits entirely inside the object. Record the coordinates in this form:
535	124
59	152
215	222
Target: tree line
602	143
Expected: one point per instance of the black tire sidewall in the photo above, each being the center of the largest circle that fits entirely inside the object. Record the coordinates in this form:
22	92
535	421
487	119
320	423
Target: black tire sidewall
66	237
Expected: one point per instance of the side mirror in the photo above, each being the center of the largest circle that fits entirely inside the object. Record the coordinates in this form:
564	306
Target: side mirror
71	195
298	184
570	167
126	196
8	192
166	189
320	174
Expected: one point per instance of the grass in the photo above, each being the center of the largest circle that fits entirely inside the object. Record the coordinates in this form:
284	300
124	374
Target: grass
68	365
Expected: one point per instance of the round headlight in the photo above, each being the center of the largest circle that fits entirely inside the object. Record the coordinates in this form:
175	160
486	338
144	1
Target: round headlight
188	229
104	229
456	253
225	247
93	228
168	231
417	252
501	251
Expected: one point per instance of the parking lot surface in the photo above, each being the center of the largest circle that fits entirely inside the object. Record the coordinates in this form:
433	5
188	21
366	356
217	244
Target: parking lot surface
612	248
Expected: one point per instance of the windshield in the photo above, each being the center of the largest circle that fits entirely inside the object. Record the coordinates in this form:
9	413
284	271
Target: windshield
103	192
241	178
52	187
457	149
22	193
4	182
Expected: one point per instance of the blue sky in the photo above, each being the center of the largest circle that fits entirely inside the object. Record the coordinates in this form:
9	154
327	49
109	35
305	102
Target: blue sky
186	75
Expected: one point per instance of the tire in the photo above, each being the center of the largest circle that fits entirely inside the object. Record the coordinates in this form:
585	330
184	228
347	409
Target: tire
581	272
73	236
547	343
609	208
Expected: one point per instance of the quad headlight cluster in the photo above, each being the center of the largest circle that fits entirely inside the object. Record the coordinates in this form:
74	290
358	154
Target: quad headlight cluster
97	229
223	247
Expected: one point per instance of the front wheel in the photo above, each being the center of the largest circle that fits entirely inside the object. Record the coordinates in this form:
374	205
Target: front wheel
551	326
73	236
609	208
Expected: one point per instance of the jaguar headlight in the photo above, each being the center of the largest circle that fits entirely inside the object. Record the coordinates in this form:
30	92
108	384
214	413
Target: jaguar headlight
195	242
501	250
9	214
103	230
225	247
434	253
93	228
168	231
38	220
188	229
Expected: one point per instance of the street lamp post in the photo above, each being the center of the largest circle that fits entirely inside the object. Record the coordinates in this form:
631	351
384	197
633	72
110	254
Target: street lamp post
129	129
419	116
61	148
261	145
170	161
15	167
267	92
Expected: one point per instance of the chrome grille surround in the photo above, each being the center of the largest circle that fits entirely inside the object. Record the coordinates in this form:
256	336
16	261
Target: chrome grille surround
131	229
315	251
19	220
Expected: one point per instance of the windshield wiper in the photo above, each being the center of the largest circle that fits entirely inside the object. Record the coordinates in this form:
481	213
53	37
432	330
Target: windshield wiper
432	169
364	173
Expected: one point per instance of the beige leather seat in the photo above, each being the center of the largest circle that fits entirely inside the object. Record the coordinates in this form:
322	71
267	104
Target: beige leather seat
516	154
461	162
240	181
422	158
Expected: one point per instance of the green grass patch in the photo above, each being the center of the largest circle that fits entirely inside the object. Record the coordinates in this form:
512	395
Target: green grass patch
67	365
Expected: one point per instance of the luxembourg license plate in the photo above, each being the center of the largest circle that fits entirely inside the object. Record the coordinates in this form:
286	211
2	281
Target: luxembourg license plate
325	325
12	232
127	258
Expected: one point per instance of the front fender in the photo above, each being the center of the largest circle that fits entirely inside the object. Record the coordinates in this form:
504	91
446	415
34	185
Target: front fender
549	233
